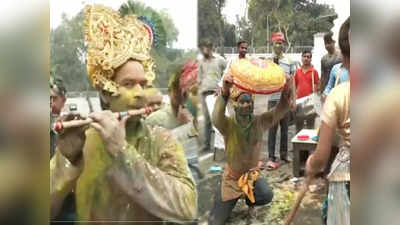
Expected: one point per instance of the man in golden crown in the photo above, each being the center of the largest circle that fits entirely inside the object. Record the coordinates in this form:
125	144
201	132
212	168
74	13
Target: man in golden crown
119	168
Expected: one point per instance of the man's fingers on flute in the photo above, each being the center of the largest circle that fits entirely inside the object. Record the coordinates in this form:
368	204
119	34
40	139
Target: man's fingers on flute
67	117
123	120
98	116
97	127
78	116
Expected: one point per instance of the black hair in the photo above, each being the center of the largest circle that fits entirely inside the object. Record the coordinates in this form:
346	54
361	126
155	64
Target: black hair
58	87
241	42
306	51
176	72
206	43
328	37
344	42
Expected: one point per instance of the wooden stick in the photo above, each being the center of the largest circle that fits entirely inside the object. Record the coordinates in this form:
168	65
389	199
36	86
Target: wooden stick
292	213
87	121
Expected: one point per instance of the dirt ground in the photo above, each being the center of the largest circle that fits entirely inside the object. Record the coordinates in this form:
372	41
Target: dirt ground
285	192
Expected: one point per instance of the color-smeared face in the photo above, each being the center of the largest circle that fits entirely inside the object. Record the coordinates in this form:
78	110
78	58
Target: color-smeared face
131	91
153	96
187	97
278	47
244	105
242	49
306	59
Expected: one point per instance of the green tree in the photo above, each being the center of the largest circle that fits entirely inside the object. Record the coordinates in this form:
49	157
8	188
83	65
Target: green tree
208	21
165	56
214	27
299	20
219	5
170	29
68	49
230	38
244	28
67	53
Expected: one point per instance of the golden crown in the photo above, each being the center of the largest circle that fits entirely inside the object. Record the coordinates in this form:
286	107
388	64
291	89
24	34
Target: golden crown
113	40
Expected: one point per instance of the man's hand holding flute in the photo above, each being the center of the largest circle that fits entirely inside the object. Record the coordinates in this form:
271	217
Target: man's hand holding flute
111	127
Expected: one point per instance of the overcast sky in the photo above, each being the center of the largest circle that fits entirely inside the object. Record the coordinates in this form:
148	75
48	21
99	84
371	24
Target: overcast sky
183	13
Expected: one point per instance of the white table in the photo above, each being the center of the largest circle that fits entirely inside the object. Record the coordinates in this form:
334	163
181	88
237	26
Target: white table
302	149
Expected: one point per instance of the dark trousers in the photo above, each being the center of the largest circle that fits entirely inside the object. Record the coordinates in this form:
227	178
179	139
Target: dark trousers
221	211
284	123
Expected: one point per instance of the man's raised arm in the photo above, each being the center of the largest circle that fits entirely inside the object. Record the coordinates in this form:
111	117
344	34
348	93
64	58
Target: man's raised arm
219	119
287	101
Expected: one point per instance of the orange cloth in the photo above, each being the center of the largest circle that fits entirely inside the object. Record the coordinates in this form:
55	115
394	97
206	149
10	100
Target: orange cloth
189	75
246	183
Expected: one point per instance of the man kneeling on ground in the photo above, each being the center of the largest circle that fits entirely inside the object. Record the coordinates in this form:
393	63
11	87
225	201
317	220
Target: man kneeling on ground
243	136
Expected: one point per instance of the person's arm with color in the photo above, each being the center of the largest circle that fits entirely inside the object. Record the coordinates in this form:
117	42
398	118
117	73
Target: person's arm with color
331	81
273	116
219	119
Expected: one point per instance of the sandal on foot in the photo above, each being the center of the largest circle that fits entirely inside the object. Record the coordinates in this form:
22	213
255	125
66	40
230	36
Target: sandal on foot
273	165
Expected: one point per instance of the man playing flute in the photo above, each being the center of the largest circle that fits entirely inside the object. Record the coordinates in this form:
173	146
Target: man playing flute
119	168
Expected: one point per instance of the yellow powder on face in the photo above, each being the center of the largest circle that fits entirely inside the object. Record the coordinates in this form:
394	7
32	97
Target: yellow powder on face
127	99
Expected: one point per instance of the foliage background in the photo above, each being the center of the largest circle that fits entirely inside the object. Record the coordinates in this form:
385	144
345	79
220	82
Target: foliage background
67	47
299	20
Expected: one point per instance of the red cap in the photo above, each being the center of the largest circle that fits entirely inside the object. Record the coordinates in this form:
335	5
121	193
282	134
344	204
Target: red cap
189	74
277	37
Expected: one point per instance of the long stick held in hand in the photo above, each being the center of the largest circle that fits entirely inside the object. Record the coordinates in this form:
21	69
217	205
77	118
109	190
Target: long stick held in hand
60	125
290	217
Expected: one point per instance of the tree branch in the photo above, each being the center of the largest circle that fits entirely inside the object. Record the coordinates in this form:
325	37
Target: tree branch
287	38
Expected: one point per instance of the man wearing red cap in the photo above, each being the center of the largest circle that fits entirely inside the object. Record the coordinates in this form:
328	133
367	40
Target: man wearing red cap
289	66
180	115
182	88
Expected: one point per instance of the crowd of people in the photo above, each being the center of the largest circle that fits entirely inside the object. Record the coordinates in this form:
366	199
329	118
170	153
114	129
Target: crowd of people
129	167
